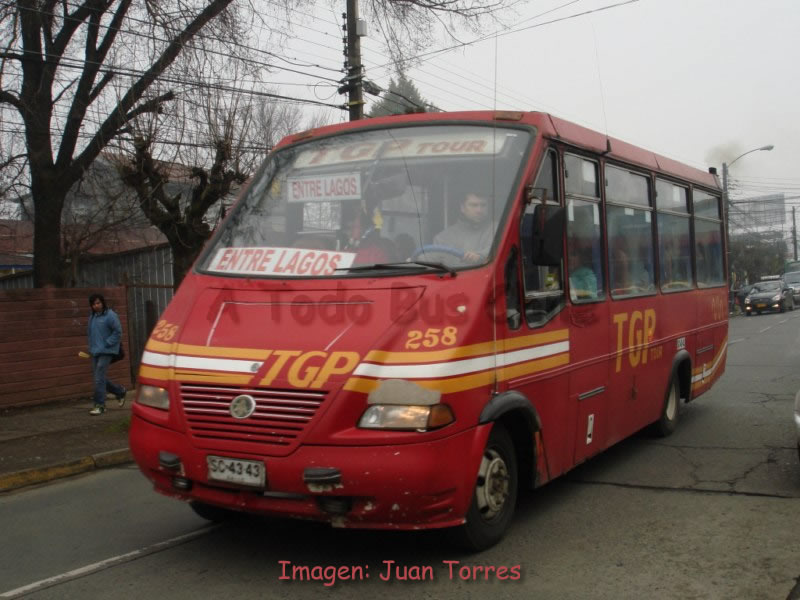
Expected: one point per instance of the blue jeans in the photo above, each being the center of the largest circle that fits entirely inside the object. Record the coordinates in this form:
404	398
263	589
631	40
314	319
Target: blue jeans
101	383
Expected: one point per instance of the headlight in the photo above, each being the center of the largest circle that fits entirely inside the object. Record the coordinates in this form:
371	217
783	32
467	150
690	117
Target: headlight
417	418
776	298
150	395
403	405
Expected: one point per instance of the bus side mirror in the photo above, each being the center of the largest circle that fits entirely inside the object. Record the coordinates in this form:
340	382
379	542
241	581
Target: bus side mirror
543	234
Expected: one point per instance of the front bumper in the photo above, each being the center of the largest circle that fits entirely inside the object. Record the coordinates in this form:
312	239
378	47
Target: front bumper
409	486
762	306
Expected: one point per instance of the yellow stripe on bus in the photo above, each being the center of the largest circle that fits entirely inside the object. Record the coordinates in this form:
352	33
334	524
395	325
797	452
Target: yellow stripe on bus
446	386
723	347
467	382
503	345
168	374
528	368
215	351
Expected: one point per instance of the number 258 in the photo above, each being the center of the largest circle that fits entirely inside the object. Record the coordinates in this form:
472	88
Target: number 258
431	337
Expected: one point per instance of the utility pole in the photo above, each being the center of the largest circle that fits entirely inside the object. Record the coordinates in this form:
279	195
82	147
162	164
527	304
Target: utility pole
353	66
794	233
727	204
726	207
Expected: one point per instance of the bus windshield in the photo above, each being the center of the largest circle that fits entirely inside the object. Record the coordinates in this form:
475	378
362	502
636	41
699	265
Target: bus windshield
383	199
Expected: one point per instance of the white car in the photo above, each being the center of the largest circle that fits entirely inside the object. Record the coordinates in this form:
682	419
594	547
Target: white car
797	419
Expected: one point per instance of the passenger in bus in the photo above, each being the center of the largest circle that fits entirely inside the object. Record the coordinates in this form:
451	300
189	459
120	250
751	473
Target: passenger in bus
628	276
363	236
472	233
582	278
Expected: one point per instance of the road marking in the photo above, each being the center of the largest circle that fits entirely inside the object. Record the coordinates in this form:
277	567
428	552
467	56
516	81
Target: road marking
736	341
104	564
765	329
784	321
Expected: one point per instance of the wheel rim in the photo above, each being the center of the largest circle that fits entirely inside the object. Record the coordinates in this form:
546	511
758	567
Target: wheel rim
672	404
492	489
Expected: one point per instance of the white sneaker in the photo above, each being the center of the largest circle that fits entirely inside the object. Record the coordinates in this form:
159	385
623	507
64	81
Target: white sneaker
98	409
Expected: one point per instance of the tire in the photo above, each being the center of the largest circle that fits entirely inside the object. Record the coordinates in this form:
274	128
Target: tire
670	413
495	494
783	306
209	512
747	314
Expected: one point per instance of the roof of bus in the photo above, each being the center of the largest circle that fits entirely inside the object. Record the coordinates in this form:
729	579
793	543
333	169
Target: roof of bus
550	126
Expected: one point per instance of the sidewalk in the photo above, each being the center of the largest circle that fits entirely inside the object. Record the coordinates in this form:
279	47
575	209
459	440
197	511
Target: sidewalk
45	442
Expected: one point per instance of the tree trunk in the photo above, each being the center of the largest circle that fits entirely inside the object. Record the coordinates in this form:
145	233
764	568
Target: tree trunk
48	201
183	258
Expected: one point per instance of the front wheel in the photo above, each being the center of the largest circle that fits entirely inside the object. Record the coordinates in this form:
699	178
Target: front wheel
668	421
495	495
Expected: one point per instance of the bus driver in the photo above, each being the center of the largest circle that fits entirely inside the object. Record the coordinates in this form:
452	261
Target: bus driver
472	233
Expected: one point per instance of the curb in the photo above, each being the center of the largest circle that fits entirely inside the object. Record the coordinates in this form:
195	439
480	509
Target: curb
19	479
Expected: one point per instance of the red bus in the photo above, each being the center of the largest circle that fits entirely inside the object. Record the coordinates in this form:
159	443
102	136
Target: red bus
406	320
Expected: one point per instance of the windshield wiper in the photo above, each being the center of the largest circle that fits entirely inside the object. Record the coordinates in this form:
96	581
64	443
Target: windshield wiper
437	266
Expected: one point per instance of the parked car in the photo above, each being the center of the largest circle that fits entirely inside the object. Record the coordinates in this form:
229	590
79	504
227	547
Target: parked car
769	295
793	281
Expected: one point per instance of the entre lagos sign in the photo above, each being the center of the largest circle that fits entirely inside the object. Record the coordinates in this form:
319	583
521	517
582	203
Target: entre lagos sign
282	262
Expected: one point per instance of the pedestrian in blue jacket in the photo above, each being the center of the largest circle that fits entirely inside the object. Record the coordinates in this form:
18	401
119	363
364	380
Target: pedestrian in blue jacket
105	334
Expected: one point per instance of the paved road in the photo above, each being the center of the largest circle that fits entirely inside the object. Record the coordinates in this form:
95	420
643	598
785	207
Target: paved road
710	512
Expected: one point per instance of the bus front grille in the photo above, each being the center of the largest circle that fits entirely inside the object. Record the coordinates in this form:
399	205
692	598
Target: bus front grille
279	419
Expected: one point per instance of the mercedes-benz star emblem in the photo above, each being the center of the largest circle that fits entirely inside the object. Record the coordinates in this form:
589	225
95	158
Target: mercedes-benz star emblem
242	406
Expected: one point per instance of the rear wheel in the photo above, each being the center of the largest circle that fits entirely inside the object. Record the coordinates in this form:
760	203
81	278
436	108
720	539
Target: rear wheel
209	512
668	421
495	495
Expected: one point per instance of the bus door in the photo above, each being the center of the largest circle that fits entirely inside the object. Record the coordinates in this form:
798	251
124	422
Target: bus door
587	309
712	307
636	386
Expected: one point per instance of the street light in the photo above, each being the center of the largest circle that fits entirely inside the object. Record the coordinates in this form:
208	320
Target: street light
727	205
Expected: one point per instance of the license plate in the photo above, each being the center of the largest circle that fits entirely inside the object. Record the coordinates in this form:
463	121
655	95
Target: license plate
234	470
761	306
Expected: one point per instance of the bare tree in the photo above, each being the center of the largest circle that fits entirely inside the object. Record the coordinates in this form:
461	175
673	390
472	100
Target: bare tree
98	211
229	140
57	64
78	74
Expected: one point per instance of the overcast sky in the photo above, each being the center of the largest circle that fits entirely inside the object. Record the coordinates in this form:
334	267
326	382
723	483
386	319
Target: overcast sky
701	81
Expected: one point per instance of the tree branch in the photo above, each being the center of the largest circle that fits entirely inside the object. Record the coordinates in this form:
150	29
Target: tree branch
152	105
117	118
9	98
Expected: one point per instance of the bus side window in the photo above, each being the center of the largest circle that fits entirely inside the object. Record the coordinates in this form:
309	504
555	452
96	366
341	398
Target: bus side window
584	233
544	289
629	224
